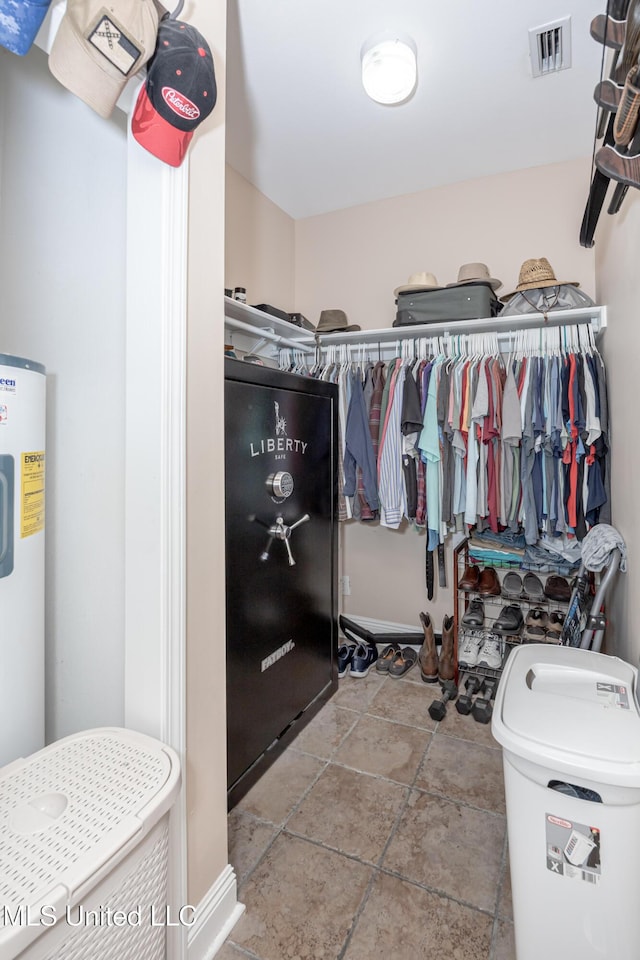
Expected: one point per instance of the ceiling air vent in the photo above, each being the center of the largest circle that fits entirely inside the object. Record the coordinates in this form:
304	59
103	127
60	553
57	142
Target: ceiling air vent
550	47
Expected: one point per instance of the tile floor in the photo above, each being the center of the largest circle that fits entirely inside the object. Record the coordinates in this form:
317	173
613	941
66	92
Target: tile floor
378	833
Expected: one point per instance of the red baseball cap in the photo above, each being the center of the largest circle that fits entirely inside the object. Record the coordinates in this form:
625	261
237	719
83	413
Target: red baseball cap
179	93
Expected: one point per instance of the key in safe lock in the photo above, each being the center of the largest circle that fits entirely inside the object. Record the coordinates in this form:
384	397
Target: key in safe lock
280	486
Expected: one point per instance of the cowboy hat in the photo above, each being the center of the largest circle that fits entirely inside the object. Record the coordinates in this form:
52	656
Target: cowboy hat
537	273
476	273
418	281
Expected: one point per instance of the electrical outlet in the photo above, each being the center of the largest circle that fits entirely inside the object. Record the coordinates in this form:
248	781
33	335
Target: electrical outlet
345	586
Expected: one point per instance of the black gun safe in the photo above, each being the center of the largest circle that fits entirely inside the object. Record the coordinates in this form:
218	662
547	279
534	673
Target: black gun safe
281	561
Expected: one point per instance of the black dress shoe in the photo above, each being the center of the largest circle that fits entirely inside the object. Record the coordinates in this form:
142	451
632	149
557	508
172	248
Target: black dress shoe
474	617
510	621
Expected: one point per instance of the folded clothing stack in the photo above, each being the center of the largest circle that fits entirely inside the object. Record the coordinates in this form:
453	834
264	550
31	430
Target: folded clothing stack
504	538
495	555
541	559
508	549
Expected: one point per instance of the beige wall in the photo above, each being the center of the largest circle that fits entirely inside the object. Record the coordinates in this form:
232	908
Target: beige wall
259	252
386	570
354	259
617	244
206	704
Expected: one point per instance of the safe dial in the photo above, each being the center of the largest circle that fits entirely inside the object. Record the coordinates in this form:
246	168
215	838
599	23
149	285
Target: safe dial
280	485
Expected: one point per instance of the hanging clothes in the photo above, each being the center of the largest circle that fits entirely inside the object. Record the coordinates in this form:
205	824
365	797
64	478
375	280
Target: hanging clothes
452	434
358	446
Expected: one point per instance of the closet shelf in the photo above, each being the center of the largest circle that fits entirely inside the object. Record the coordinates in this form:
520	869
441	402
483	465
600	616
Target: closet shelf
262	323
290	335
266	335
596	316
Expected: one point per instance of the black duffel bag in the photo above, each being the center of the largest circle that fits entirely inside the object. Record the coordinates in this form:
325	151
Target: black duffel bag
460	301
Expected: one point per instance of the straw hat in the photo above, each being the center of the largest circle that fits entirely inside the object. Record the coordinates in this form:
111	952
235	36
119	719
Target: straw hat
332	321
476	273
418	281
537	273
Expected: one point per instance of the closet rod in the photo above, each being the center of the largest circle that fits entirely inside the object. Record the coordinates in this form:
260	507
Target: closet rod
596	316
267	334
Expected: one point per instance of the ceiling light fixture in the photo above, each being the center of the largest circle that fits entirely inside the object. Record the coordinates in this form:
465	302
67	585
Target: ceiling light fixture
389	69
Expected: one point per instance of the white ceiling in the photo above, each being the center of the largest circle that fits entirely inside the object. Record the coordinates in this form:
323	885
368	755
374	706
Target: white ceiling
302	130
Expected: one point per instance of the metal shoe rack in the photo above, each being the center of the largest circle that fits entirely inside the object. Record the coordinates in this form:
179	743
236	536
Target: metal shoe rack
492	609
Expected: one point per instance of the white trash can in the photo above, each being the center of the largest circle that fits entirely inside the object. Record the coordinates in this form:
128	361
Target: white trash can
569	725
84	839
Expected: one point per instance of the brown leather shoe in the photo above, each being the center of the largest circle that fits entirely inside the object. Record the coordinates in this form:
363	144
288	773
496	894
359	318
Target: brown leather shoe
470	577
428	654
489	585
557	588
447	663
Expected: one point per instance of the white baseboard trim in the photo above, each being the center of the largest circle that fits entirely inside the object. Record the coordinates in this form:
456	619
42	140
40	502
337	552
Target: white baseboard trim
382	626
216	915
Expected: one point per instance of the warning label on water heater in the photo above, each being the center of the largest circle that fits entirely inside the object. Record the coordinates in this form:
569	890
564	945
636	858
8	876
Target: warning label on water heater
32	493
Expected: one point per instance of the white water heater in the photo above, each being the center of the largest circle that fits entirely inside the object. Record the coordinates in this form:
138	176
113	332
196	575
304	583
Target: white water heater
22	511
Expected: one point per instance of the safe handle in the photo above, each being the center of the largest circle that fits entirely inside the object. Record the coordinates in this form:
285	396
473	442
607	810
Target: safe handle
298	522
279	531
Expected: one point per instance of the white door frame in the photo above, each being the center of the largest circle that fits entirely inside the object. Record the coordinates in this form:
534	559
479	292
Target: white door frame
155	460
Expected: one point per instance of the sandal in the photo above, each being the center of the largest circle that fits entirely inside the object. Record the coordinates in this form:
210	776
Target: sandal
535	626
532	588
555	625
512	586
403	661
387	657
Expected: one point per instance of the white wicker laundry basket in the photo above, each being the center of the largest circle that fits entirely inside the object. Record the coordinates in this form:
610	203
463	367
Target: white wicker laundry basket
84	839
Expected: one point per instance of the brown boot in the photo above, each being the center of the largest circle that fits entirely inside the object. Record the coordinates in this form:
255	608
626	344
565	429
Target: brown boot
428	655
447	665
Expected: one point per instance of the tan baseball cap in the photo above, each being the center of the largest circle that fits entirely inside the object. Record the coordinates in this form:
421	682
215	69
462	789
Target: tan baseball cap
100	45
